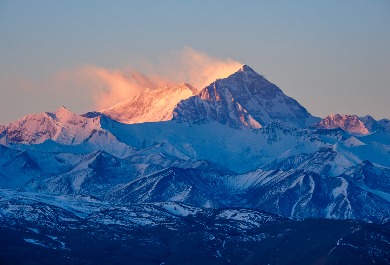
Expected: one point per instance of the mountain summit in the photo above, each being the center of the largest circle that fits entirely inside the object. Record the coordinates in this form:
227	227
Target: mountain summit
349	123
150	105
245	99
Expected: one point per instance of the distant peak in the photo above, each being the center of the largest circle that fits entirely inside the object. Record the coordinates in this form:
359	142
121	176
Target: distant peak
368	117
341	116
349	123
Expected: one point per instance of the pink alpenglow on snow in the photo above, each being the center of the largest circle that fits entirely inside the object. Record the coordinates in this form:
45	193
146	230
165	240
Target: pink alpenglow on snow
150	105
349	123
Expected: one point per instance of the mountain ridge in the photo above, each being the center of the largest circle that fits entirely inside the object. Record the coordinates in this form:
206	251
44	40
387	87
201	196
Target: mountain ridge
239	166
244	99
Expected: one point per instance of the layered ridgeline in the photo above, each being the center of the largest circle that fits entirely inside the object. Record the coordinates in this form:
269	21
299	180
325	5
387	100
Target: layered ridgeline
238	154
61	131
244	99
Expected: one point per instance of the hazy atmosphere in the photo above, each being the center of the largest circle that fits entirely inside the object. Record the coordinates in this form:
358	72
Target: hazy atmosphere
194	132
331	56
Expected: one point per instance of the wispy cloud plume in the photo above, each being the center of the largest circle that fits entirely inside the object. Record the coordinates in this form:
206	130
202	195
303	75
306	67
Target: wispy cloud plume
108	86
196	68
111	86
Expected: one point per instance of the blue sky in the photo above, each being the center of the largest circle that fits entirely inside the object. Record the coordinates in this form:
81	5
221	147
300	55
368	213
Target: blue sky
331	56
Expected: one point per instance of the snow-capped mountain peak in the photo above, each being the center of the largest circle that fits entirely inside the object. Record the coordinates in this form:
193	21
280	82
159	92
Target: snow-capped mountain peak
150	105
373	125
349	123
245	99
247	69
62	113
62	127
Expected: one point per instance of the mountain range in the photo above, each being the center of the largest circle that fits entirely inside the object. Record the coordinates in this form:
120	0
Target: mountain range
235	163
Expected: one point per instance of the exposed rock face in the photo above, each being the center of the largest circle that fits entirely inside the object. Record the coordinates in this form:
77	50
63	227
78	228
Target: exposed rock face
245	99
349	123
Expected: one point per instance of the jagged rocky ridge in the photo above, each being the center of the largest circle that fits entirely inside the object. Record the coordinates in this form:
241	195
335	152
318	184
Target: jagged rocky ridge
239	143
243	100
